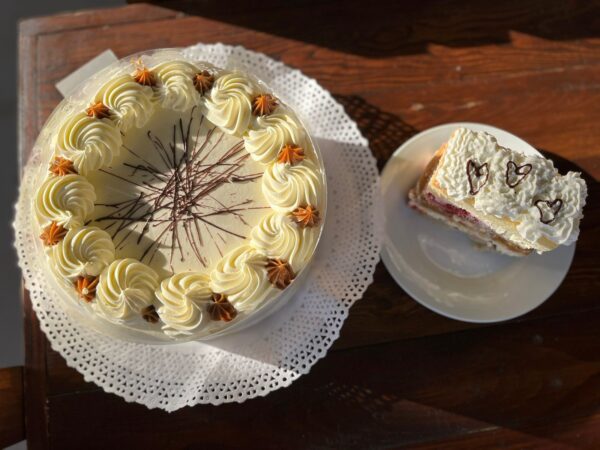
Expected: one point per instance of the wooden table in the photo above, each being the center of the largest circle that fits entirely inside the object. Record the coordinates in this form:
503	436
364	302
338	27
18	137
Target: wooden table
399	375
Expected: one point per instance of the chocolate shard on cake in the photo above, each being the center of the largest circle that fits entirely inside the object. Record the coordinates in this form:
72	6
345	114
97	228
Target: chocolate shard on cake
505	200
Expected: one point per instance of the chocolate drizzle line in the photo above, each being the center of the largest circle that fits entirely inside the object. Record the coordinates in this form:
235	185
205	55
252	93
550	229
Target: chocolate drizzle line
478	174
183	190
554	206
521	173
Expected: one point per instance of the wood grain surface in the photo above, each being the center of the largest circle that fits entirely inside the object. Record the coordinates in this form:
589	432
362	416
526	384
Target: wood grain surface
12	426
399	375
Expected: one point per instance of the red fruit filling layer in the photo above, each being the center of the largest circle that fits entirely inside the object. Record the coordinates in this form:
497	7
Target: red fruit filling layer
451	210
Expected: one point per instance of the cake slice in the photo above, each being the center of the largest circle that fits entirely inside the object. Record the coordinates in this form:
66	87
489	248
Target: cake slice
503	199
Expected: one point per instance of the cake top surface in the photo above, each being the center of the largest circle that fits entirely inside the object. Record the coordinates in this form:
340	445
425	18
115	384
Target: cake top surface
181	194
179	197
544	206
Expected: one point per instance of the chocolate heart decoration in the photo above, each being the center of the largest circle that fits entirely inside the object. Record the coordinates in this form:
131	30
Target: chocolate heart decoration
548	209
477	175
515	173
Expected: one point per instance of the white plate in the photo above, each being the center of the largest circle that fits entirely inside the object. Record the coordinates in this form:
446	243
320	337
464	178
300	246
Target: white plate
440	267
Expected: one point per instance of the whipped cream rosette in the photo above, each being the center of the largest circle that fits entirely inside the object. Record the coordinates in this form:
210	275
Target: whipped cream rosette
229	104
288	187
84	251
125	289
126	101
176	84
272	133
183	298
242	277
66	200
277	236
180	199
89	142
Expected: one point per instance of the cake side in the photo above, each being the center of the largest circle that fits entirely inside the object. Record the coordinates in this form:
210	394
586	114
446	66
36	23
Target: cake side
519	202
423	199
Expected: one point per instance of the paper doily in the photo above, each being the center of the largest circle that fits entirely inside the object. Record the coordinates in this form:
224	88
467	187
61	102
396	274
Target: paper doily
276	351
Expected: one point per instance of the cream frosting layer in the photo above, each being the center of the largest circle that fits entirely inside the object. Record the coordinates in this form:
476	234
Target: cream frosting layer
508	184
229	105
241	275
183	299
129	102
67	200
270	134
278	238
83	251
89	142
126	286
287	187
176	84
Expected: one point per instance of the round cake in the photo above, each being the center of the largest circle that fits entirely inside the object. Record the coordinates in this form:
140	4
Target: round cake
177	199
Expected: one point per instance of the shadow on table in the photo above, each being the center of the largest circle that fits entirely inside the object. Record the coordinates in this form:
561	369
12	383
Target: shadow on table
384	29
529	379
385	131
536	378
564	165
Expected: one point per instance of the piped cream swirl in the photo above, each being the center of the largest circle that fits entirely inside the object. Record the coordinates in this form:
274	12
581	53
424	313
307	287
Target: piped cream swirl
67	200
176	84
241	275
89	142
126	286
183	298
129	102
288	187
229	105
271	133
83	251
277	237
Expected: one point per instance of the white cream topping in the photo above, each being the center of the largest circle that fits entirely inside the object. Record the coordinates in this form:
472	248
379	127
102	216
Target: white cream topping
270	134
176	84
288	187
229	104
277	237
517	203
83	251
126	286
129	102
242	276
183	299
67	200
89	142
572	190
